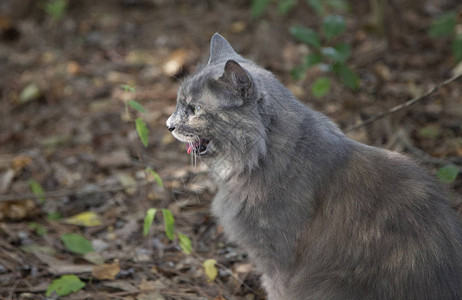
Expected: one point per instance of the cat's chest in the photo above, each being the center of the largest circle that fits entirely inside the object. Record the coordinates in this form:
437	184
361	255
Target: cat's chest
257	227
239	215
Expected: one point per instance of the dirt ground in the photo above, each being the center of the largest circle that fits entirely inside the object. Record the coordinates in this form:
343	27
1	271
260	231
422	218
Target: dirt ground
65	123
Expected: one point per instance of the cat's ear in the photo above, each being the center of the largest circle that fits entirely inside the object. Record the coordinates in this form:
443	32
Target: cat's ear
237	78
220	49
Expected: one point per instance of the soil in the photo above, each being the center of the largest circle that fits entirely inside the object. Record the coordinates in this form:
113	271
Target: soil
65	124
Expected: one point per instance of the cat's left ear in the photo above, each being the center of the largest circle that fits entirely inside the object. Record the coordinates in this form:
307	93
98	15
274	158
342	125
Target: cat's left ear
237	78
220	49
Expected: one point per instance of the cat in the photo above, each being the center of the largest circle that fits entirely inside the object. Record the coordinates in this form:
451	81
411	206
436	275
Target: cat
320	215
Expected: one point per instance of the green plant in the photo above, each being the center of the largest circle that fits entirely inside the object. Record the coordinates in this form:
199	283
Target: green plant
446	26
447	174
329	55
76	243
65	285
169	220
55	8
37	190
39	229
140	125
169	227
321	7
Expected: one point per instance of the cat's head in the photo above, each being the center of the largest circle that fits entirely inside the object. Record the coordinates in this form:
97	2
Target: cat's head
218	111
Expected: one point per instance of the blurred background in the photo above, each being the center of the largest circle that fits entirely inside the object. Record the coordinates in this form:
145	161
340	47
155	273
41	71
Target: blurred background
86	88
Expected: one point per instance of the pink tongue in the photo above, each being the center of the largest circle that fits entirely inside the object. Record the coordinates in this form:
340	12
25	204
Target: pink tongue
191	146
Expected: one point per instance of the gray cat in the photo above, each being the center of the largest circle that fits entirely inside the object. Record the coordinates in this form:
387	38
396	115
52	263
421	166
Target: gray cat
320	215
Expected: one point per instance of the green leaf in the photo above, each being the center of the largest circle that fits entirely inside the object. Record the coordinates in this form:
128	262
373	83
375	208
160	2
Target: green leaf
298	73
136	106
258	7
331	54
443	25
143	132
56	8
339	5
156	176
306	35
37	190
148	219
338	54
76	243
457	47
39	229
128	88
344	51
317	6
312	59
169	223
185	243
447	174
347	77
332	26
54	216
430	131
320	87
285	6
65	285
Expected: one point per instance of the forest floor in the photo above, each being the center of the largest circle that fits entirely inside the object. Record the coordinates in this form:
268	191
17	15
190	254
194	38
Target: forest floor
65	124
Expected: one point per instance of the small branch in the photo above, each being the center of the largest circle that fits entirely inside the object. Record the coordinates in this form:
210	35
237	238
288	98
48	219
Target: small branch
422	155
403	105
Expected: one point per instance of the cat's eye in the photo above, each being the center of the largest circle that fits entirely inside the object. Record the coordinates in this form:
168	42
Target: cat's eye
195	108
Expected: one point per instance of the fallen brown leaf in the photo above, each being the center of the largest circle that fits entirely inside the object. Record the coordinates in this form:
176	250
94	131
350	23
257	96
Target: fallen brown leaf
106	271
60	267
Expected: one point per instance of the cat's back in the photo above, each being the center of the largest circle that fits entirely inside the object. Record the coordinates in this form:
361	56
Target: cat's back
382	230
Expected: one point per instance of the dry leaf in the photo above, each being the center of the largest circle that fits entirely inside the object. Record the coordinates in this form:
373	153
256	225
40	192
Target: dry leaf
94	257
73	68
121	285
128	182
5	180
457	69
60	267
175	62
243	267
150	296
383	71
118	158
148	285
17	210
238	26
106	271
21	161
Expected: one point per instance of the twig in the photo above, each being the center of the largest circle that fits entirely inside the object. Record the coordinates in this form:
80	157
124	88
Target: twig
15	285
404	105
422	155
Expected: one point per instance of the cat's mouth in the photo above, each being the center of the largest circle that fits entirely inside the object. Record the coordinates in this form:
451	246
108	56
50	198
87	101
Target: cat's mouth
199	148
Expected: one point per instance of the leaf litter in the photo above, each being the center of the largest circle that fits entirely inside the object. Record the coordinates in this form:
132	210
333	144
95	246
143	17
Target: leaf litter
64	127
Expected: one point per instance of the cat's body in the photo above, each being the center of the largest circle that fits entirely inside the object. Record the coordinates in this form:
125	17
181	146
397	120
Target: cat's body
320	215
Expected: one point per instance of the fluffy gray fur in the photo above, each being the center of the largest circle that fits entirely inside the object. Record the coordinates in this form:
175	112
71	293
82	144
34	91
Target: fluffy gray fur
320	215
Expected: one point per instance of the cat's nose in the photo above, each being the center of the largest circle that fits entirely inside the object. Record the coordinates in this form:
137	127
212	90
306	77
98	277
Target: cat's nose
170	128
